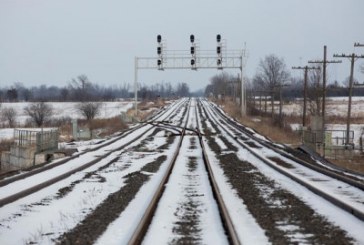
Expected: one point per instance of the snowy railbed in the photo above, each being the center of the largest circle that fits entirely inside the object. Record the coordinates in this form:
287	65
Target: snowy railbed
287	211
104	203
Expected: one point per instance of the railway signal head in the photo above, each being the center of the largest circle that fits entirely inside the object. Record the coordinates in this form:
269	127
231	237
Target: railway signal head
218	38
218	50
192	38
159	50
159	38
219	61
192	50
159	62
193	62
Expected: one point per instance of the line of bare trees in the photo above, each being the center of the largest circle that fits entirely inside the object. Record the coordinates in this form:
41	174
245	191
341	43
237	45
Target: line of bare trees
223	85
82	89
78	89
273	81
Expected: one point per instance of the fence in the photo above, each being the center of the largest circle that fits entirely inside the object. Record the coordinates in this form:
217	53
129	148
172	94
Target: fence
330	143
40	140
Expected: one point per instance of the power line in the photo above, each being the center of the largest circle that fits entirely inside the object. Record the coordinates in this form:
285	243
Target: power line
305	68
324	63
353	57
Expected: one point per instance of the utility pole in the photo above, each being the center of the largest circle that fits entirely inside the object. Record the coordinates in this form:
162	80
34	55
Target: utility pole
305	68
353	57
324	63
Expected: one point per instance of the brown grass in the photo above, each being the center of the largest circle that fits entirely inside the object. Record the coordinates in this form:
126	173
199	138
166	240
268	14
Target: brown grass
109	125
5	145
343	120
355	164
145	108
264	125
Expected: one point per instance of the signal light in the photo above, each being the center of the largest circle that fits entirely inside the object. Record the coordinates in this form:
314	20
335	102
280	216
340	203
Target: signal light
192	50
218	49
218	61
159	50
159	62
192	38
218	38
159	38
192	62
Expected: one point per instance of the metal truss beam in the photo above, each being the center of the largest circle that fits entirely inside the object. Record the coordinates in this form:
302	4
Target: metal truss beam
203	59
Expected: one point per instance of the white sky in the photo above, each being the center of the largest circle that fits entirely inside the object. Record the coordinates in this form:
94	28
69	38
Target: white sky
50	42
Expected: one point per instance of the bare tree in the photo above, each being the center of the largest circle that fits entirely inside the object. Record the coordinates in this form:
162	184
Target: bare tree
12	94
315	92
271	75
81	88
64	94
89	110
27	94
39	112
222	84
9	114
183	90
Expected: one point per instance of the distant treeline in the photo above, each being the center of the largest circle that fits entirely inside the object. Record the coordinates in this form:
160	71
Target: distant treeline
81	89
331	91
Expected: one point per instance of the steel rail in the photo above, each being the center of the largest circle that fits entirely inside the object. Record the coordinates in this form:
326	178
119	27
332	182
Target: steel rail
44	167
225	216
352	210
142	227
35	188
351	180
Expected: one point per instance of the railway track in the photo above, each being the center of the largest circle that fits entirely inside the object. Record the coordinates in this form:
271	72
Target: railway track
351	200
350	177
188	175
30	182
187	218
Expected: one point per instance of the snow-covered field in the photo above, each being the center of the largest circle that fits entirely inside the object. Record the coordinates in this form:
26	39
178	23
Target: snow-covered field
42	217
334	106
61	110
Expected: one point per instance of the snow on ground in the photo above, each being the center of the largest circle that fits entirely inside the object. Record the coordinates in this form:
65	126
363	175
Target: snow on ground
121	230
41	223
42	217
6	133
61	215
68	109
357	128
187	188
249	231
337	216
334	106
64	109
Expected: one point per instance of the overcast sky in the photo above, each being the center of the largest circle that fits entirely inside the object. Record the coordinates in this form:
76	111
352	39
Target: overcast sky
52	41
